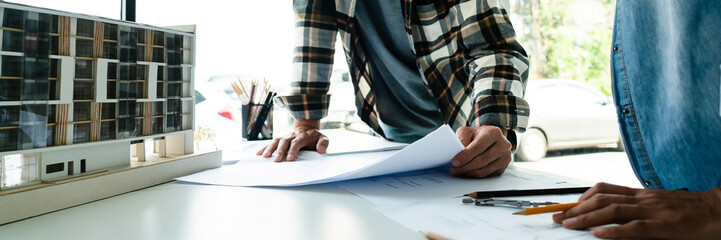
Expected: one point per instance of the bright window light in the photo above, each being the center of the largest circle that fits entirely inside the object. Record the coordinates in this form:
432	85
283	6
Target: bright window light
19	169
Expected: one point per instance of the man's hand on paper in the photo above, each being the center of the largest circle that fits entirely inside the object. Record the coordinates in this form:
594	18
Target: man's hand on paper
487	152
305	135
646	213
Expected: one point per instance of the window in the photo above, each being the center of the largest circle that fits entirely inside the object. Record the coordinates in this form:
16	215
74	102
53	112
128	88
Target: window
140	33
133	87
140	90
175	57
139	110
158	54
128	54
157	108
12	66
54	45
54	90
36	67
112	71
173	41
127	90
51	136
159	90
81	111
139	126
161	73
84	90
19	169
81	133
126	109
174	90
55	167
110	50
13	18
170	41
173	123
84	48
54	23
83	69
33	114
157	125
111	31
128	71
12	41
35	89
174	106
52	114
179	41
158	38
9	116
85	28
126	128
127	37
108	111
112	90
8	139
142	72
54	68
141	54
10	89
107	130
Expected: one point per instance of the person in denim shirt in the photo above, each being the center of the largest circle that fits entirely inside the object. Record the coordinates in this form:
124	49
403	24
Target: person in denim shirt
665	67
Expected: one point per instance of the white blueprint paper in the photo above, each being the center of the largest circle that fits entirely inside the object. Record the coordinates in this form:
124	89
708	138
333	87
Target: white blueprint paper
404	188
437	148
341	142
451	218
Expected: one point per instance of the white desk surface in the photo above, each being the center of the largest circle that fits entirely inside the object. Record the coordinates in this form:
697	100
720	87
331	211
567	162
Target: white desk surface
181	211
186	211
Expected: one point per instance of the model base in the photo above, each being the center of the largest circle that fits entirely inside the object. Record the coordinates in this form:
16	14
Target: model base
18	204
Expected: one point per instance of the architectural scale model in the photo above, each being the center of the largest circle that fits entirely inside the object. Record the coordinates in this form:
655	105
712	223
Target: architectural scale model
80	96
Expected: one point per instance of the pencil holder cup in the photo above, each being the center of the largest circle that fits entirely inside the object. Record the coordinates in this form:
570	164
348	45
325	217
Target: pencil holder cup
257	121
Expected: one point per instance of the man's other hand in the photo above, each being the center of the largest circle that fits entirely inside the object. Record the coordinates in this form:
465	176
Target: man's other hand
646	213
305	135
487	152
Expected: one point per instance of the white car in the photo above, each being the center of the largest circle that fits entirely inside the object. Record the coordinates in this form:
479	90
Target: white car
566	114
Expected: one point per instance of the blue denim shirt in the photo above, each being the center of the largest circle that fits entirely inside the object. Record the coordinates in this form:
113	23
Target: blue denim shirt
665	66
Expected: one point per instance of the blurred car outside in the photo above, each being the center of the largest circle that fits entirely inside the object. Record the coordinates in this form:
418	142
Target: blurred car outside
566	114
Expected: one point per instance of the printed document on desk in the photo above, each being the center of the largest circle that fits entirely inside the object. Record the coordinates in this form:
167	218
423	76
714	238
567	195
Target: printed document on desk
451	218
437	148
405	188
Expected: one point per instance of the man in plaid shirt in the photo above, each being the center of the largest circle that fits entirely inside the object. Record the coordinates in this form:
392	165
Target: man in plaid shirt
414	66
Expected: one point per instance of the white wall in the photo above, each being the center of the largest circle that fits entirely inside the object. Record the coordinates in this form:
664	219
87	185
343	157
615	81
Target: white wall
98	157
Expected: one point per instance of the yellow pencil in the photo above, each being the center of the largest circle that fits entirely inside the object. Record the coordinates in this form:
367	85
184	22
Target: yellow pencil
435	236
547	209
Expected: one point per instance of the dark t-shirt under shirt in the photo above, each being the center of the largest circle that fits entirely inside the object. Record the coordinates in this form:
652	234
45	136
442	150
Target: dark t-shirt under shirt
406	109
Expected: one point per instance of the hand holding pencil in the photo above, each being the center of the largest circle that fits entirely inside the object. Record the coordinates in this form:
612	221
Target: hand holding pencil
548	209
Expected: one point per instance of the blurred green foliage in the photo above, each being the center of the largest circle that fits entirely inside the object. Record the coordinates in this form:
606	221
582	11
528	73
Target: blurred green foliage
568	39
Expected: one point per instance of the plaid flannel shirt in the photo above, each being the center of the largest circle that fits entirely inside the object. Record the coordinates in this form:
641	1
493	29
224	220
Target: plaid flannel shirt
466	50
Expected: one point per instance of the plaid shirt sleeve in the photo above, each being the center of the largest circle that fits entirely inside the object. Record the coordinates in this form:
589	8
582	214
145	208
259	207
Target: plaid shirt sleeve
498	69
313	59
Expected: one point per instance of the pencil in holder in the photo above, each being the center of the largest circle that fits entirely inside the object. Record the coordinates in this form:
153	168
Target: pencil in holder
257	121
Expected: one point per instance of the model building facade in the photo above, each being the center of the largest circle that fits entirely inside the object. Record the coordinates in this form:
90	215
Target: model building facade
76	91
